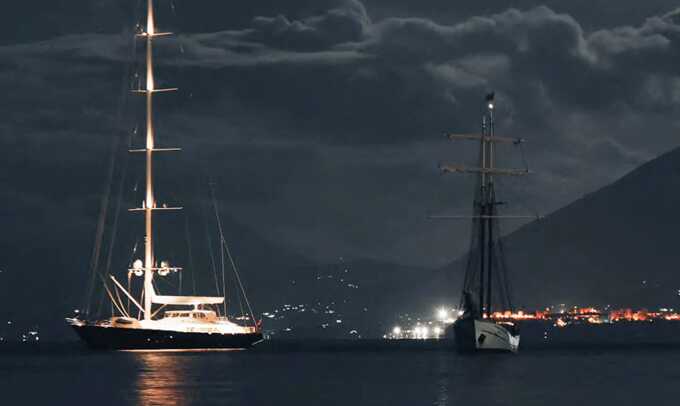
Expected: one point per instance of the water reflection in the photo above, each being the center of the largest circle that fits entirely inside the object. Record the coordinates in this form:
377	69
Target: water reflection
462	379
184	378
443	381
162	380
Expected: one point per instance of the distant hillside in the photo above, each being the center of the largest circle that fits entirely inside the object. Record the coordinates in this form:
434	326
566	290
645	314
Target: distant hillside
618	245
354	298
365	295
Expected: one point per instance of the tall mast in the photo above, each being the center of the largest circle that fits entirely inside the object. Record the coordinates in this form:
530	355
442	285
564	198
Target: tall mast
149	204
485	213
491	208
482	213
149	201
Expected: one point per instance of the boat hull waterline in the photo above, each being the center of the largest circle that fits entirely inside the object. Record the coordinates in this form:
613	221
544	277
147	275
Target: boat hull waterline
117	338
474	335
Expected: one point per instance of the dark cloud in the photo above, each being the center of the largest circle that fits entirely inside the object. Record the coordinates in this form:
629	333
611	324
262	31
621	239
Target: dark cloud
591	14
348	23
327	121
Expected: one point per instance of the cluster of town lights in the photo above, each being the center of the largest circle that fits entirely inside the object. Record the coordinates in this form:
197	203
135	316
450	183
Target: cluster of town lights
435	328
421	332
425	330
589	315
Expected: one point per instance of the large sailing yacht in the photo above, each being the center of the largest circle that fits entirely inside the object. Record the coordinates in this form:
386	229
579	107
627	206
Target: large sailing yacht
191	322
486	289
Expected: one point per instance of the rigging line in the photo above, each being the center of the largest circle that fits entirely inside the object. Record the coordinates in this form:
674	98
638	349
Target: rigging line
190	252
210	249
238	297
499	262
101	303
132	255
120	301
113	300
505	270
508	286
139	309
129	288
238	279
500	274
122	102
224	281
179	289
526	167
489	286
225	247
116	216
99	234
222	242
157	311
240	303
502	280
470	265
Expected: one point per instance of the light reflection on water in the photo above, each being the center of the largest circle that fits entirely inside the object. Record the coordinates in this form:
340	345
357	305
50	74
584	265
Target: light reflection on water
181	378
162	380
442	382
342	378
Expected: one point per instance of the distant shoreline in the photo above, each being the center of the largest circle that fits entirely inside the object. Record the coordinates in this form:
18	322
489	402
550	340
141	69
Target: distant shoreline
277	346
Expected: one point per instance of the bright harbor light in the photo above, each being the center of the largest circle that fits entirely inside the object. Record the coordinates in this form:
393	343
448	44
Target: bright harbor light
417	332
396	331
442	313
420	332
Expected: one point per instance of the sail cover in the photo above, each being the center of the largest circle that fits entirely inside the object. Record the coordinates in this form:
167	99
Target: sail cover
186	300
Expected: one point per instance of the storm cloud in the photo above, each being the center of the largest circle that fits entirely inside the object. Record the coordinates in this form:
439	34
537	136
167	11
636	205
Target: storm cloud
327	123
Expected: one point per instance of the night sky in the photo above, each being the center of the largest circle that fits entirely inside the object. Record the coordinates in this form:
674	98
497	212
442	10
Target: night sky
321	122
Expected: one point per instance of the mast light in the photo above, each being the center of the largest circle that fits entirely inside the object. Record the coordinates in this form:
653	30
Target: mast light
164	269
137	267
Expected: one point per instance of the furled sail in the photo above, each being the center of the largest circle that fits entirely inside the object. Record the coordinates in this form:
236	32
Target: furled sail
186	300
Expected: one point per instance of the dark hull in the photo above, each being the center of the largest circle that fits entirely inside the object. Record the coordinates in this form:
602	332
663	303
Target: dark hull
464	334
115	338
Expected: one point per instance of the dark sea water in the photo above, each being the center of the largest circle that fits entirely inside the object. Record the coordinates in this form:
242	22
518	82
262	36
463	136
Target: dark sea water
346	376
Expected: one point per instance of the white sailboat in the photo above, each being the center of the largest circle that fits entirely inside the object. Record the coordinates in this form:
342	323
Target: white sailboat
192	323
486	286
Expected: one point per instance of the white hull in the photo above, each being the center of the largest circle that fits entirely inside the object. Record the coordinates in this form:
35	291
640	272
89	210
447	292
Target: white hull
492	336
484	335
